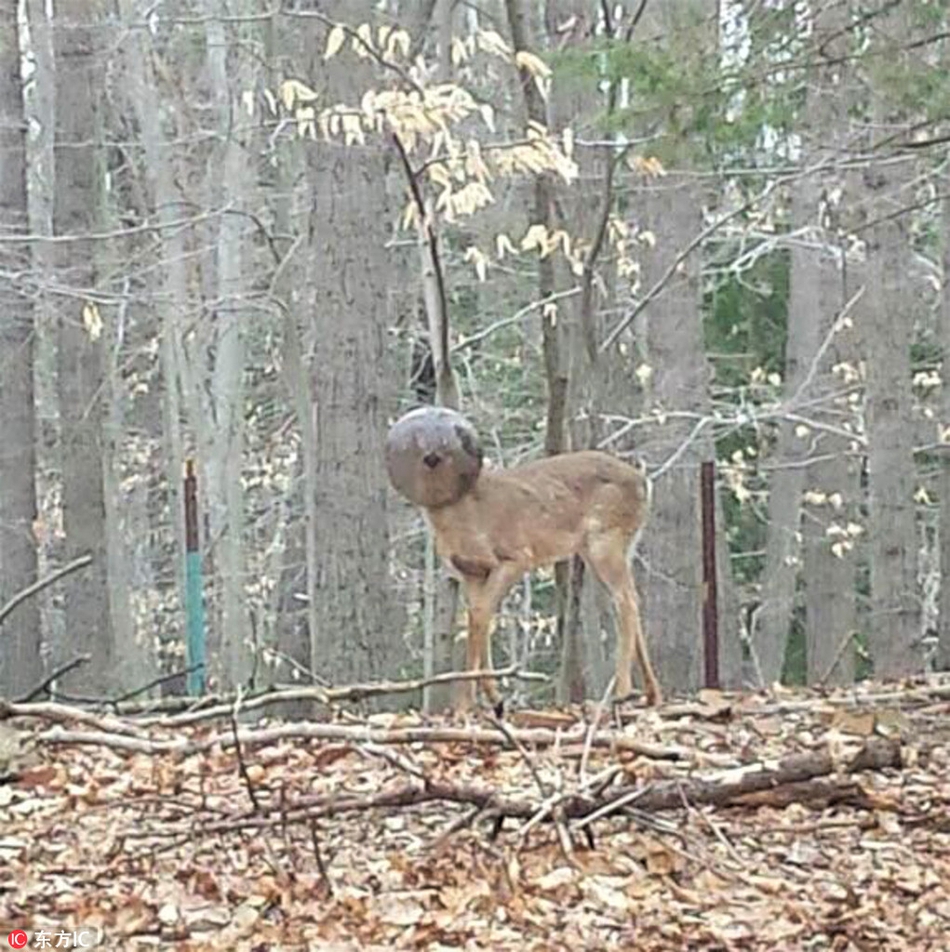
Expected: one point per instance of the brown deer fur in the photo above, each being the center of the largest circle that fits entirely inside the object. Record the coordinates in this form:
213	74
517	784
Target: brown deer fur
513	520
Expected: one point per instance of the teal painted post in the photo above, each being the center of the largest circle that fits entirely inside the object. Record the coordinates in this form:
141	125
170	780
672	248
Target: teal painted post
194	597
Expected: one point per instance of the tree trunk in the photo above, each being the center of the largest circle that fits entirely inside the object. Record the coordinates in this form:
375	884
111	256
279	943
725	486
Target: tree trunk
76	206
20	663
171	304
358	627
671	546
943	643
230	184
555	364
887	321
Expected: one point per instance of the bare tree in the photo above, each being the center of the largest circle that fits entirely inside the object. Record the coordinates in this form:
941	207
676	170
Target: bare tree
76	216
677	378
358	626
807	459
229	187
887	321
20	663
943	646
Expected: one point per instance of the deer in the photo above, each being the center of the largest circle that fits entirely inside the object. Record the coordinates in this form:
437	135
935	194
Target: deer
493	525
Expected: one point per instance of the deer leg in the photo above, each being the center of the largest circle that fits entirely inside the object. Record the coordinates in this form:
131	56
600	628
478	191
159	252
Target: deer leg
484	597
607	555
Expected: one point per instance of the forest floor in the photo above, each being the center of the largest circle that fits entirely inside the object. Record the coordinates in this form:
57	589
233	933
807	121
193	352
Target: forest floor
794	821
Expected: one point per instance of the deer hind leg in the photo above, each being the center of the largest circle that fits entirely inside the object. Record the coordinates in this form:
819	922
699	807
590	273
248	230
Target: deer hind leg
483	597
607	555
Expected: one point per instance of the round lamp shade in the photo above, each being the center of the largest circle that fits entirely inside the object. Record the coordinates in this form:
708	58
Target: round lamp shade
433	456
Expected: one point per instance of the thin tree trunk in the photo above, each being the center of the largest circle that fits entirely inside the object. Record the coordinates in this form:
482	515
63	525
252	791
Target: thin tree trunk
888	326
20	663
77	203
943	643
671	546
555	364
230	184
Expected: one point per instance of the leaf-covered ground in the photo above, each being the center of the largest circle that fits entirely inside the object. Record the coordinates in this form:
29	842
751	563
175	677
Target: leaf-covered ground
164	838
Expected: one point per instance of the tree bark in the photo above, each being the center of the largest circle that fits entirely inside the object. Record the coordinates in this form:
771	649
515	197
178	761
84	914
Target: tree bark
20	638
358	625
230	184
887	321
943	642
77	204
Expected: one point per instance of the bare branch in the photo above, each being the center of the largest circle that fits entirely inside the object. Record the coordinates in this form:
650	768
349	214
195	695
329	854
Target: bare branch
42	583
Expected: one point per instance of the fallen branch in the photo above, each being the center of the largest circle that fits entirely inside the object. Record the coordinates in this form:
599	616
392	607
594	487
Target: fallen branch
328	696
724	788
910	695
360	734
42	583
65	714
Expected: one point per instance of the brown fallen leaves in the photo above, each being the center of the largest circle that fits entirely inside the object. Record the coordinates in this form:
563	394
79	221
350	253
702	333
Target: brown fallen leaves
386	836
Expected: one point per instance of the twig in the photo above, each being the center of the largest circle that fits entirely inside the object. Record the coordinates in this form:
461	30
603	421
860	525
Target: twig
64	714
459	823
239	753
552	805
425	224
836	326
507	733
517	316
839	653
631	796
50	678
154	683
42	583
391	757
318	856
707	232
592	728
356	38
715	829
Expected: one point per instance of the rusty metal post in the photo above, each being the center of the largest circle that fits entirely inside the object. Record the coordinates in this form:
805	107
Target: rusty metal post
710	594
194	597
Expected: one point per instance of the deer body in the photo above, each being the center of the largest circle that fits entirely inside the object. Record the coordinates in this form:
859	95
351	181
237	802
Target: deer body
491	526
511	521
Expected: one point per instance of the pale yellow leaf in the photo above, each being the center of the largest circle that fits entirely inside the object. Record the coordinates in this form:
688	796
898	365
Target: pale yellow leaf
292	91
536	237
335	40
459	51
490	42
306	126
532	64
474	256
398	42
503	246
92	320
567	137
363	41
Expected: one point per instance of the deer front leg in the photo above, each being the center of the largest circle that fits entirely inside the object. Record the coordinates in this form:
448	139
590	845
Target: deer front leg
483	597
